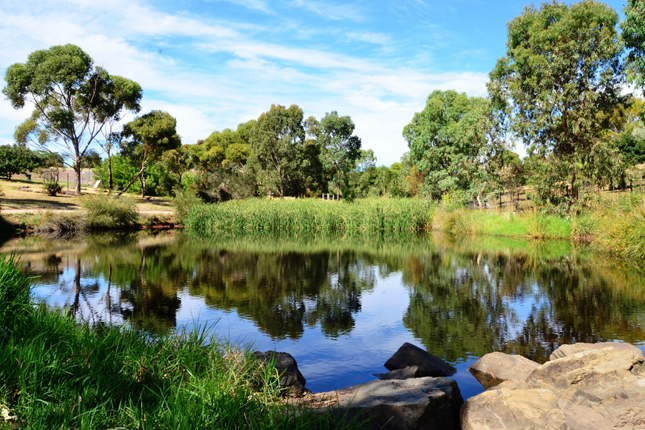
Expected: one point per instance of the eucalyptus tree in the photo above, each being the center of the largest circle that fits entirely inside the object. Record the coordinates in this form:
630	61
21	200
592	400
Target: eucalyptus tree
560	80
634	37
72	98
452	142
148	137
277	143
340	148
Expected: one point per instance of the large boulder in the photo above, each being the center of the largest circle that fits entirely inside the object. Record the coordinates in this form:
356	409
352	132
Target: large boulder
290	377
494	368
568	350
427	364
509	409
420	403
594	389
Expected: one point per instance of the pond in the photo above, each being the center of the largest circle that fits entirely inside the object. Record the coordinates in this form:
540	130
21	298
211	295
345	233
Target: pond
343	305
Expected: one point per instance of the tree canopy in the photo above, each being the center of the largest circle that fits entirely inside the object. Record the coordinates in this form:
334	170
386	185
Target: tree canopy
634	36
450	142
72	98
560	80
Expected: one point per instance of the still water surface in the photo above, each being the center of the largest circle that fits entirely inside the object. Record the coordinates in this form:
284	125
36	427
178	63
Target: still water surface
343	305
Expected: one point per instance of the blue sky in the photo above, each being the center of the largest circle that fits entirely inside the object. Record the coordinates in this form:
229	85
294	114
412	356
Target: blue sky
215	63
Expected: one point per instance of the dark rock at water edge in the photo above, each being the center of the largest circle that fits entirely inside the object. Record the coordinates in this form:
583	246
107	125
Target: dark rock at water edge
428	364
412	404
290	376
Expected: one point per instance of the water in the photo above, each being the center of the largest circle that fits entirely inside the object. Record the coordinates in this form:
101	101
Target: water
343	305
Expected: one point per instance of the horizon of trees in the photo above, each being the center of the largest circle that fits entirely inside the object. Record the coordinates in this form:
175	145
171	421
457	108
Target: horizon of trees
559	90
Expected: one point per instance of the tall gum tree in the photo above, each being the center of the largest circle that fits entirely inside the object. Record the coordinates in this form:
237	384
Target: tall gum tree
634	37
452	143
560	81
277	142
339	148
72	100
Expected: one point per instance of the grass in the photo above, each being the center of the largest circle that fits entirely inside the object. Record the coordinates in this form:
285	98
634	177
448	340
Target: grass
525	225
310	215
58	373
38	199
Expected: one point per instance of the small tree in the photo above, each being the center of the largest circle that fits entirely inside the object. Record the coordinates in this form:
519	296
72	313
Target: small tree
73	100
150	136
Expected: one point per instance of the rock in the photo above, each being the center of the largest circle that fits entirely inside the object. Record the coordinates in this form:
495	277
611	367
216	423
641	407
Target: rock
590	390
588	368
285	364
421	403
494	368
513	409
617	405
428	364
405	373
568	350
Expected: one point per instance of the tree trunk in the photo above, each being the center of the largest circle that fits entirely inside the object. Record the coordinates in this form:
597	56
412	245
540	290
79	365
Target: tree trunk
574	188
132	180
77	172
142	180
109	160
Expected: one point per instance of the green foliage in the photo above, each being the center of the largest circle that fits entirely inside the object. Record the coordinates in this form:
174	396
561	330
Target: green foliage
73	99
109	212
455	199
560	82
17	159
339	148
451	143
311	215
277	145
151	135
227	149
634	36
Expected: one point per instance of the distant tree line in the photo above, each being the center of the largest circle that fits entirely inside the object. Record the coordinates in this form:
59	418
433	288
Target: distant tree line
560	90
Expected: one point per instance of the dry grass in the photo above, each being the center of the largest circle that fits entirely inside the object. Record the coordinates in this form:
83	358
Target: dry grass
16	200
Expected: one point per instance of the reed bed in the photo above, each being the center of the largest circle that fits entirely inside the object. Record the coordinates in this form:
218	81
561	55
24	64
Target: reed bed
59	373
311	215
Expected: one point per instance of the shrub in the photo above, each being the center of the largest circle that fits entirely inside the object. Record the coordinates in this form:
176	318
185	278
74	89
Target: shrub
50	181
61	224
104	212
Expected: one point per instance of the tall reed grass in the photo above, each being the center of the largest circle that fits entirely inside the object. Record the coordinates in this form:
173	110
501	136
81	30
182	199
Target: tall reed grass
58	373
311	215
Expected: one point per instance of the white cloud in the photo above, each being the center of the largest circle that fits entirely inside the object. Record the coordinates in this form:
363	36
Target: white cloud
233	75
250	4
329	10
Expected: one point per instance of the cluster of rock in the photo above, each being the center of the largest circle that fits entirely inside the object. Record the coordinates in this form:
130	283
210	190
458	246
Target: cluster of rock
583	386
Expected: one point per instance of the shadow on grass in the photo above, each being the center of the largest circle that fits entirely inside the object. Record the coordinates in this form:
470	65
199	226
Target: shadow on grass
40	204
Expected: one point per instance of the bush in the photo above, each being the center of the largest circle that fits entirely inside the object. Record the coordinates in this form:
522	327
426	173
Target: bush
104	212
50	181
61	224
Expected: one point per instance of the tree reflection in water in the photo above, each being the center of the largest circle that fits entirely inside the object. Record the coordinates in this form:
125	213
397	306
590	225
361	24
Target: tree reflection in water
465	299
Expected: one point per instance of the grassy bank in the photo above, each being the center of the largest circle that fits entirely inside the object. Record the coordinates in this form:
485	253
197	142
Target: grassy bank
58	373
311	215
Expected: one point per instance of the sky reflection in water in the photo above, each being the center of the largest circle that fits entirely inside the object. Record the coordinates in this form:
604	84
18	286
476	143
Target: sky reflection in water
343	306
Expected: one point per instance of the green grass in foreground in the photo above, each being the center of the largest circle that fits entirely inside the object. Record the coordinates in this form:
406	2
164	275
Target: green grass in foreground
56	373
311	214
